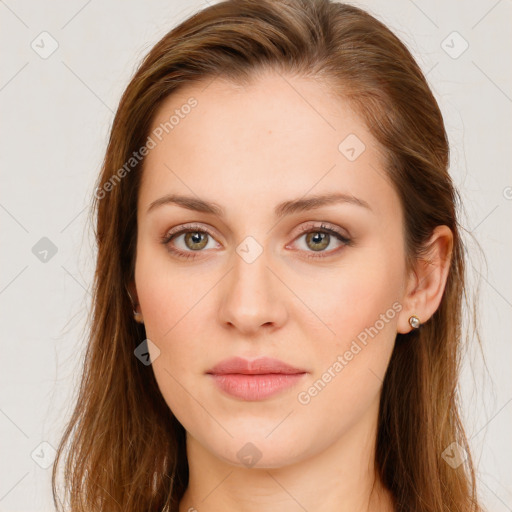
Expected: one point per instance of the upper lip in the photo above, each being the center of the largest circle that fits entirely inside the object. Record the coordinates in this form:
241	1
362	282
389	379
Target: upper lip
259	366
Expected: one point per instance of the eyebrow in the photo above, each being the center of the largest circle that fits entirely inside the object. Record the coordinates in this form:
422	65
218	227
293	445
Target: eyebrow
281	210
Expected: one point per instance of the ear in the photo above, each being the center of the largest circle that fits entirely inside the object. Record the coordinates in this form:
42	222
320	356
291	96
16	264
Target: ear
132	294
427	280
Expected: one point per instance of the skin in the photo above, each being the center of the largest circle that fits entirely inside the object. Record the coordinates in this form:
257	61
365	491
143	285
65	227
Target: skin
248	149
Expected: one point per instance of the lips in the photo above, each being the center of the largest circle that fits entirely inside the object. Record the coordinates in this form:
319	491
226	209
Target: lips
254	380
260	366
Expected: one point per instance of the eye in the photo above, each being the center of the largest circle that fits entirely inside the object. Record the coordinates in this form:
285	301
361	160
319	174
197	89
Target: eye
317	239
193	239
187	240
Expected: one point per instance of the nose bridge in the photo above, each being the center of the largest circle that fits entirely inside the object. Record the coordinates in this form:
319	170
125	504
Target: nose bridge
251	297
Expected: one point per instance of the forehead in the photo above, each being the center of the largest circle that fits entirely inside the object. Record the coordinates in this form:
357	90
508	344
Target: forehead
278	137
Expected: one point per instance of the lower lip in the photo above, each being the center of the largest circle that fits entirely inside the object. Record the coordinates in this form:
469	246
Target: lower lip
255	387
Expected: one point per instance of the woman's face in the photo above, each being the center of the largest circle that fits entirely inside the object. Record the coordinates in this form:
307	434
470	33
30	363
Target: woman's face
268	277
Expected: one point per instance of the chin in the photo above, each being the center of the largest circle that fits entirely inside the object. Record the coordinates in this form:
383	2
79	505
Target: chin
260	452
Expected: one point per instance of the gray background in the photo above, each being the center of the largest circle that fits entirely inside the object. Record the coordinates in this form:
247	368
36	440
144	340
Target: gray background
56	114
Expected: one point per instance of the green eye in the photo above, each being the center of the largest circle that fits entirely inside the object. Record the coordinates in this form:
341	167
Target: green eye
317	239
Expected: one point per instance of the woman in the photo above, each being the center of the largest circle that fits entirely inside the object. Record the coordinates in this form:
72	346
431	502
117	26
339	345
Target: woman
279	283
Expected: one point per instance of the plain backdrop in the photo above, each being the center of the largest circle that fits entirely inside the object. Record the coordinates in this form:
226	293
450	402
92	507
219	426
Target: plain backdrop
64	67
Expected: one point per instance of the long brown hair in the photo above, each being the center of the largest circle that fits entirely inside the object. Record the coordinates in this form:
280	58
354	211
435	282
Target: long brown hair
126	449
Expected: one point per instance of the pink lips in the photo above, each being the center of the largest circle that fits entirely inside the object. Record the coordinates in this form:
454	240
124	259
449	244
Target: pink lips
254	380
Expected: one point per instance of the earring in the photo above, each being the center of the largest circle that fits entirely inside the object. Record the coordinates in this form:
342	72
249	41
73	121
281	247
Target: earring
414	322
138	317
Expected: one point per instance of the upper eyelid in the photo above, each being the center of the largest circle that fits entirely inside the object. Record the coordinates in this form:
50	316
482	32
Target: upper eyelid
304	227
187	227
325	225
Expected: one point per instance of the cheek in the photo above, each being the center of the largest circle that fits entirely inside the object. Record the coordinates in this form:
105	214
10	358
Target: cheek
355	297
167	292
361	311
176	306
170	301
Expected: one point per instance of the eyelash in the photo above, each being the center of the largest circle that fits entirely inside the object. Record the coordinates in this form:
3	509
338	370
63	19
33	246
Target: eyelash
304	231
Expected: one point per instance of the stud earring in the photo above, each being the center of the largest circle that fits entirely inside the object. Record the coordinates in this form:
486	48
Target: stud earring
414	322
138	317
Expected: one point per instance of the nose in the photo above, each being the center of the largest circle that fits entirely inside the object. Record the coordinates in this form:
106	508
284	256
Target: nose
253	297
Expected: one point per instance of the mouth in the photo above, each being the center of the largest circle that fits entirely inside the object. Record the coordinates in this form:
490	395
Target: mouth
255	380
